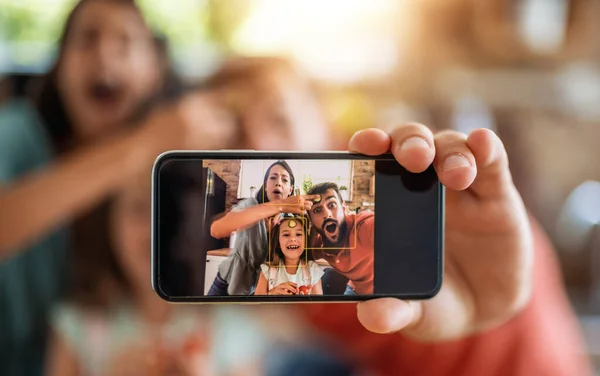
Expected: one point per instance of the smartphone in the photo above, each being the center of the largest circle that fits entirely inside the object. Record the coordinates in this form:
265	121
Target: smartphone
276	227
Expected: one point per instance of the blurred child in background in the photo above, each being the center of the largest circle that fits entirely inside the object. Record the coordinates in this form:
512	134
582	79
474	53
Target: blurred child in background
113	323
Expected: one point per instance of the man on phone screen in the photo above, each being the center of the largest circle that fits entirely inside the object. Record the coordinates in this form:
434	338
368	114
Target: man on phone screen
345	240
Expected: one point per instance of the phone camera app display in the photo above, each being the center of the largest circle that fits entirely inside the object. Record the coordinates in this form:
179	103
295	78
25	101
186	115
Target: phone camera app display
275	227
295	227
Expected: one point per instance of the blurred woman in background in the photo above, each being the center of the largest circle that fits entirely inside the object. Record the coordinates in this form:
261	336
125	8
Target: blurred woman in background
65	152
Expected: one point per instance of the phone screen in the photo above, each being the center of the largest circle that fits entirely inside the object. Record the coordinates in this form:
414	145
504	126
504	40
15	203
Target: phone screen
294	227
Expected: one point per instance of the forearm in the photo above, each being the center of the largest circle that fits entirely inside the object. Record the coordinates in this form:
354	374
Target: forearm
317	289
261	286
235	221
61	361
40	201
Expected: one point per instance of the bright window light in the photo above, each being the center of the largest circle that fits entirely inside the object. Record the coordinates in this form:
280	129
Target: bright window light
340	40
542	23
579	216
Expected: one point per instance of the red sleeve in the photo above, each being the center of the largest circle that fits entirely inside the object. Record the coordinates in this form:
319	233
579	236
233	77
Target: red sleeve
544	339
367	231
315	243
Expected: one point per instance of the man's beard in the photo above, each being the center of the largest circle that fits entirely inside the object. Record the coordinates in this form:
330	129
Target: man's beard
333	233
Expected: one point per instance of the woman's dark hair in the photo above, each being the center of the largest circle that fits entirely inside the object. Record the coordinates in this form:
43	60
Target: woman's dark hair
275	255
96	278
50	105
261	195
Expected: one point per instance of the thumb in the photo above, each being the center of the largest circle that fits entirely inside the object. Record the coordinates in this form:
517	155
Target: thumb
387	315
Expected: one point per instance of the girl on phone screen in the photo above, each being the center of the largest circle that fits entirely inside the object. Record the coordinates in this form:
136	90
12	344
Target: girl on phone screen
290	268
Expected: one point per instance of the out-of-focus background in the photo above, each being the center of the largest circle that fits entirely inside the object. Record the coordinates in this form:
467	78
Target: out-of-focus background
528	69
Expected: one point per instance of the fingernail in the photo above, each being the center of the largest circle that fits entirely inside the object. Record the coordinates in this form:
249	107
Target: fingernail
353	139
455	161
414	143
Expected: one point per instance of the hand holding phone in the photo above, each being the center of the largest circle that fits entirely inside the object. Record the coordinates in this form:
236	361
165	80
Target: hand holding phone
488	234
489	251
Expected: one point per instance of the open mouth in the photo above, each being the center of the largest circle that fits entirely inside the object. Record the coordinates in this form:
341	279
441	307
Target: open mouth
277	192
105	94
293	247
331	228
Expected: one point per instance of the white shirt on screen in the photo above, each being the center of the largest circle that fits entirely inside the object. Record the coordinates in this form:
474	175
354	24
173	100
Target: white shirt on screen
306	274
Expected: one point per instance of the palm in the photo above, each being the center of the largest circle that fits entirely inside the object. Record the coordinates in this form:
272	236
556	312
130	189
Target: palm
487	241
484	245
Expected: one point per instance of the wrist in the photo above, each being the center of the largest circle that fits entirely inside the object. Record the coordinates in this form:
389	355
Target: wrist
159	132
152	139
280	207
141	150
272	208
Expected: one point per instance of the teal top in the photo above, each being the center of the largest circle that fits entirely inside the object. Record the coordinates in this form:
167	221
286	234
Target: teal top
31	280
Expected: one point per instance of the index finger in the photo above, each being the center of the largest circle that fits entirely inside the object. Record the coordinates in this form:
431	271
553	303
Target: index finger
370	142
411	144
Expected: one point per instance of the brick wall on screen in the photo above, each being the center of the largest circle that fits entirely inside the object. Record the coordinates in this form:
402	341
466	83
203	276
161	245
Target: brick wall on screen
363	172
361	183
229	171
